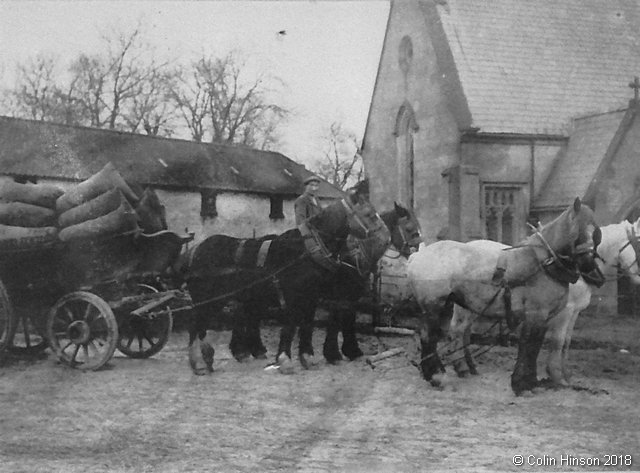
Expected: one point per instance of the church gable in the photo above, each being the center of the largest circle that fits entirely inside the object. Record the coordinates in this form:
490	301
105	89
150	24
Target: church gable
589	141
615	191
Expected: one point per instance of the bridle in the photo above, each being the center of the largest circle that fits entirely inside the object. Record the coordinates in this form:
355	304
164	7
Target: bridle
352	214
405	249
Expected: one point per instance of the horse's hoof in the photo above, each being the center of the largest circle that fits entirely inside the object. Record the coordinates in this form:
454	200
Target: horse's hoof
352	353
208	353
438	380
260	356
242	357
308	361
201	371
332	357
284	363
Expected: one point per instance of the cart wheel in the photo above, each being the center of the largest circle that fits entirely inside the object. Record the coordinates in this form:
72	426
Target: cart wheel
7	319
142	337
82	330
28	338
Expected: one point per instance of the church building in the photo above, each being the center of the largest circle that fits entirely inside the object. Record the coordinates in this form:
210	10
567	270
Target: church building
488	114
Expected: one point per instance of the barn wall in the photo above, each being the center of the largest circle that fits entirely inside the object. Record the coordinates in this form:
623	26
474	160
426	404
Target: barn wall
239	215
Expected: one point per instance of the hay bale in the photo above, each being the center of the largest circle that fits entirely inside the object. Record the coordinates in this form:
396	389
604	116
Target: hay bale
22	238
121	220
99	206
105	180
20	214
43	195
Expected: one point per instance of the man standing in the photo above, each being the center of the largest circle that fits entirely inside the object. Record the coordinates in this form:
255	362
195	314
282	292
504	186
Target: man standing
307	206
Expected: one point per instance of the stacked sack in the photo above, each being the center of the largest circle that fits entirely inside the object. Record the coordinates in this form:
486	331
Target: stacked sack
27	214
103	205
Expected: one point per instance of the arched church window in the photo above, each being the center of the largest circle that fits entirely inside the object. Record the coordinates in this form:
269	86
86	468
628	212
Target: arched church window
406	127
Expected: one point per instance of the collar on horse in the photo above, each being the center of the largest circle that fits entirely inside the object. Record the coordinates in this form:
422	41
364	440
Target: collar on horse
316	248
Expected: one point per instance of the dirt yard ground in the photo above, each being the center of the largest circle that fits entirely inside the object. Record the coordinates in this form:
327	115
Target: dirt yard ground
155	416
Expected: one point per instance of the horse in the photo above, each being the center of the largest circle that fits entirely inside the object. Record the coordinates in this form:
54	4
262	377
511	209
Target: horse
284	271
617	254
352	280
532	278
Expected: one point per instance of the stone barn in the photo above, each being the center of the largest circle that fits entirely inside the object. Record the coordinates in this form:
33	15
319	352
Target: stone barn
205	188
488	114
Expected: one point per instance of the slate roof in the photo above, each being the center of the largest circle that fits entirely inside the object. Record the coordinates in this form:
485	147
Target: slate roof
591	138
528	66
42	149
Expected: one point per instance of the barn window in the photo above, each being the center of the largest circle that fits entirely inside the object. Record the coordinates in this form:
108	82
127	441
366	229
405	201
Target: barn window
208	203
276	212
502	213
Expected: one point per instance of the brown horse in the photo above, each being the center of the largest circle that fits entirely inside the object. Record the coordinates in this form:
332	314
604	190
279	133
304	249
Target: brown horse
275	271
536	273
352	281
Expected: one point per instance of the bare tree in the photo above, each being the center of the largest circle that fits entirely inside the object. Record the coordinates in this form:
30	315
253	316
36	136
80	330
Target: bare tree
34	94
342	164
216	99
90	77
189	94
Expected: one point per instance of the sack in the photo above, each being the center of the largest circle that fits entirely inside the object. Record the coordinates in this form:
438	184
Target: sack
20	214
97	207
43	195
121	220
105	180
21	238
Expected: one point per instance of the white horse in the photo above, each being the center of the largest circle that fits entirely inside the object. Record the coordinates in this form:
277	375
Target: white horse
534	286
616	253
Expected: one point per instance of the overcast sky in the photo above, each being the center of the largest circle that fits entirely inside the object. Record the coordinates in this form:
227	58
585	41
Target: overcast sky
328	57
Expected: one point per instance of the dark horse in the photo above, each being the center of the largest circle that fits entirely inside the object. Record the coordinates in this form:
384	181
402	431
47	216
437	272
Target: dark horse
352	281
276	271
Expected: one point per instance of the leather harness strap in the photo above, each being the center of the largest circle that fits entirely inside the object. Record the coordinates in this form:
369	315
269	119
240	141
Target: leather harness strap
239	252
262	253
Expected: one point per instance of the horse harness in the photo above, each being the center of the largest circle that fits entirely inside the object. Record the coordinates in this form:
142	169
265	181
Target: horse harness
558	267
316	248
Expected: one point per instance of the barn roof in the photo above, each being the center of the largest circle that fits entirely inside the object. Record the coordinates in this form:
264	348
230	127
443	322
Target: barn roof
592	139
528	66
41	149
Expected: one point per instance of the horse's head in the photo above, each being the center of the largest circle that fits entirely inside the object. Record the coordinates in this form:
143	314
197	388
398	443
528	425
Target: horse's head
151	213
354	217
574	233
362	218
405	229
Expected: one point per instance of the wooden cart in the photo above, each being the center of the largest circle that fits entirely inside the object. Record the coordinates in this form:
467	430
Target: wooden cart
86	298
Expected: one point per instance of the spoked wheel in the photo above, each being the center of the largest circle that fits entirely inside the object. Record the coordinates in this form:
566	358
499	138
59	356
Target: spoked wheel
82	330
144	336
28	338
7	319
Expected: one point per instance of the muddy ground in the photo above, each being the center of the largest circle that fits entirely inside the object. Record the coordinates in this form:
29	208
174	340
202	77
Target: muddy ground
155	416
